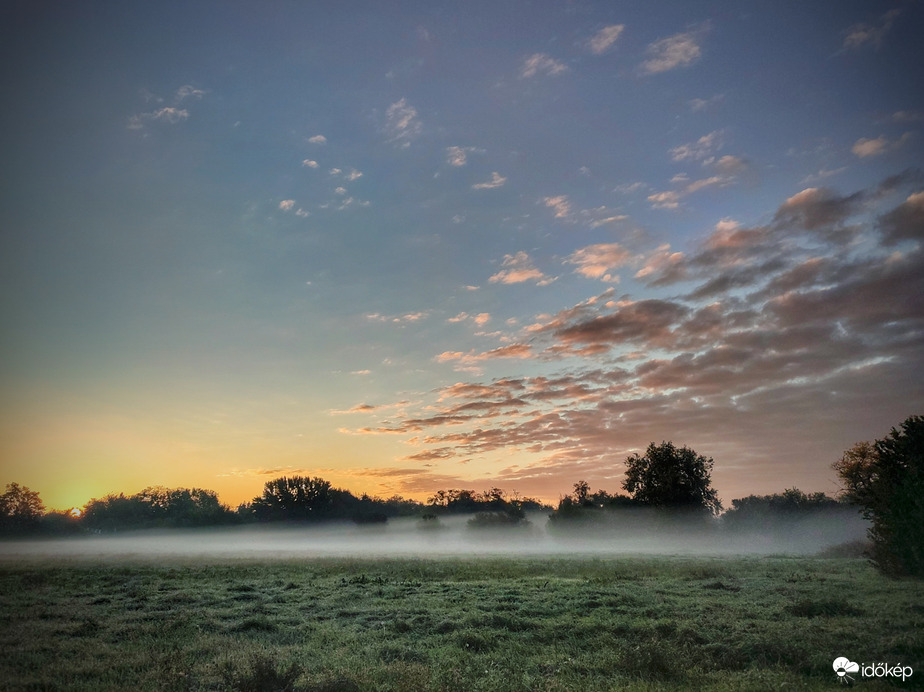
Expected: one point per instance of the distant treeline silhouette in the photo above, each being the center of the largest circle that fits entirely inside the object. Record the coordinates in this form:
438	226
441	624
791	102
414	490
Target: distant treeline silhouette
667	487
294	499
301	499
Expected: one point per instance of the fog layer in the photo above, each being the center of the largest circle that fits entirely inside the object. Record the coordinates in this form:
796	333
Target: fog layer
451	536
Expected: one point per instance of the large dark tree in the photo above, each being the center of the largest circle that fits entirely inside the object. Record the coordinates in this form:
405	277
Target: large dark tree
886	479
299	498
20	508
671	478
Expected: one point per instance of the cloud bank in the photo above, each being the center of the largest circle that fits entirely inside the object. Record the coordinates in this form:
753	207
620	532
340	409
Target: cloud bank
814	315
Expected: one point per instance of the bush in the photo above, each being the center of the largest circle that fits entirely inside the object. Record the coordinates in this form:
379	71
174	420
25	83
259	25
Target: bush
487	520
886	479
781	511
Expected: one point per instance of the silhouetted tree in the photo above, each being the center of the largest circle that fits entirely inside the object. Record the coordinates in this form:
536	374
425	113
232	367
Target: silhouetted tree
298	497
195	507
511	516
779	510
581	491
61	522
156	507
493	500
116	513
590	508
886	479
20	509
455	501
671	478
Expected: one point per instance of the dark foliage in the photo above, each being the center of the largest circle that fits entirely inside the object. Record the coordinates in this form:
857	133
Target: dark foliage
512	515
156	507
672	478
494	500
886	479
21	509
299	498
302	498
61	523
781	510
586	507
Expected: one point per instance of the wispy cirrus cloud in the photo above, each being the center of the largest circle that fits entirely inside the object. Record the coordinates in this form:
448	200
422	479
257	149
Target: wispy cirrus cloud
402	124
599	261
863	34
670	199
188	91
458	156
559	204
595	217
517	351
702	149
542	64
406	318
518	268
480	319
168	115
264	471
701	105
679	50
604	39
664	266
864	148
602	216
730	165
497	180
907	117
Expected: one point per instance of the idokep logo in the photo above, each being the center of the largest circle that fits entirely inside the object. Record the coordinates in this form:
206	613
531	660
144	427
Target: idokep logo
844	667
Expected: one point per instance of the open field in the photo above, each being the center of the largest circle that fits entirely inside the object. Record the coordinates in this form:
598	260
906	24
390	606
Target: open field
491	623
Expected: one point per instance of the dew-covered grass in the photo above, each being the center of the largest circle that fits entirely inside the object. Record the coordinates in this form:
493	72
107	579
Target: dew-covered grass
492	623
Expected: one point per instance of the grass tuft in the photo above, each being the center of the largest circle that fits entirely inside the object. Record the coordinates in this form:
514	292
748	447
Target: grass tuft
808	608
262	674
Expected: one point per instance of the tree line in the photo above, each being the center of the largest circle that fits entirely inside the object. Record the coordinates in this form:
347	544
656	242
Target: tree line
884	480
294	499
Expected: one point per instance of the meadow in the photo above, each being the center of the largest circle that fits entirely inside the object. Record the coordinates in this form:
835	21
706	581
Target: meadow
629	622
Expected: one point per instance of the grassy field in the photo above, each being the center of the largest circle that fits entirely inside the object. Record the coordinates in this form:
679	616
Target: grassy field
634	623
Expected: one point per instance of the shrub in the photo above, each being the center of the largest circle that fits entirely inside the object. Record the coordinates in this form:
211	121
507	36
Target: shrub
886	479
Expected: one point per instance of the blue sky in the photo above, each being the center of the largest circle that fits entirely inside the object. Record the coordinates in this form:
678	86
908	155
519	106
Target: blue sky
412	246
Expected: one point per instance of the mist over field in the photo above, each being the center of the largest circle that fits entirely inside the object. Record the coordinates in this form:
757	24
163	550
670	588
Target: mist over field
453	536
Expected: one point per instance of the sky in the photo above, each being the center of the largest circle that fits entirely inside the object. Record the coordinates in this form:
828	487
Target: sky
414	246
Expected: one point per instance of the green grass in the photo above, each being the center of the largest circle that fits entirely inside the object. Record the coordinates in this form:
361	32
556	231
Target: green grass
636	623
